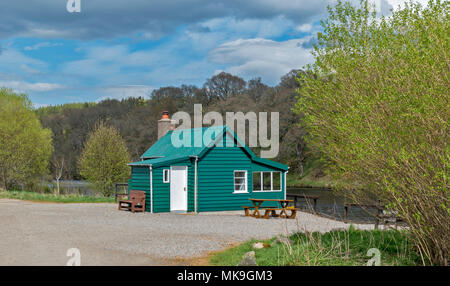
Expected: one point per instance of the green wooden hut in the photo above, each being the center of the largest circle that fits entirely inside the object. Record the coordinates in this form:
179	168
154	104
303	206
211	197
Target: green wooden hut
217	175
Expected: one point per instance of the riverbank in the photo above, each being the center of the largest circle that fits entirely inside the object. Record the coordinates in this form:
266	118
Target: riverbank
313	177
336	248
53	198
307	181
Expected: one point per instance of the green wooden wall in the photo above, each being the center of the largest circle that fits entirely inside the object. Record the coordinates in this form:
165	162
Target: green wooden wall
140	177
216	180
161	191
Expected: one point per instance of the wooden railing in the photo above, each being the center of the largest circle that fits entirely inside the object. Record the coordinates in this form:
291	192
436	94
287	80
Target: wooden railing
306	198
116	187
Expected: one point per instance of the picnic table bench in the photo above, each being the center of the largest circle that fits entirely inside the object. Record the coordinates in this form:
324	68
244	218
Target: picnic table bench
270	211
134	203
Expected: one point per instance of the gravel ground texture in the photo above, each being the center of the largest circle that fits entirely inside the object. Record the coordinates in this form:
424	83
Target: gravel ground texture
41	233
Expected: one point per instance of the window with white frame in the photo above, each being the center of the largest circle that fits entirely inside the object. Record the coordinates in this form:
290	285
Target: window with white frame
166	175
266	181
240	181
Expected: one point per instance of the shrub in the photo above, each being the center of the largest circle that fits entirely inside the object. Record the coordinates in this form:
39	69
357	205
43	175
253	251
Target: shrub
375	104
25	147
104	159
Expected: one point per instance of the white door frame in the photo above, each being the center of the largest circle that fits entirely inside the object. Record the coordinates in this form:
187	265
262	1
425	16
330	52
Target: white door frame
173	191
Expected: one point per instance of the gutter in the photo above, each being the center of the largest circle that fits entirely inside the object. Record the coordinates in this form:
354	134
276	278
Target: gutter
285	183
151	188
195	185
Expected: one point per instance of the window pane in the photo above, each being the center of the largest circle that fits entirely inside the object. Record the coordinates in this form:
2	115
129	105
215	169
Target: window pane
267	181
257	181
239	187
276	181
239	174
166	175
239	181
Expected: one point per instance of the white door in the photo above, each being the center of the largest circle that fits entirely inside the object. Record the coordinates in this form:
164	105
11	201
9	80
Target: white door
178	188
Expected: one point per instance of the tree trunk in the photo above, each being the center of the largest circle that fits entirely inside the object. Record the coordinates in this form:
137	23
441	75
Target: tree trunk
57	185
5	179
300	168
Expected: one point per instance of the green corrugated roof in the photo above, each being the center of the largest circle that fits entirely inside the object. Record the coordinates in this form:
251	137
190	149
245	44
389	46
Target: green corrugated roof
164	147
164	152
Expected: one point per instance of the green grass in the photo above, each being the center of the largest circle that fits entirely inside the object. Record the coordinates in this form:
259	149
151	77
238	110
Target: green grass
39	197
332	248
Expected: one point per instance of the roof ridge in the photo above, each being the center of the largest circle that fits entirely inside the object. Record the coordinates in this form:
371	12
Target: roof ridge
164	151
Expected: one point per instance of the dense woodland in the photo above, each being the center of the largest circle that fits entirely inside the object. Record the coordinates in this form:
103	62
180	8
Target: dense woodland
136	118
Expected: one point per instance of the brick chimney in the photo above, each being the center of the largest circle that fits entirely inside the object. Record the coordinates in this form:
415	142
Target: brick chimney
164	124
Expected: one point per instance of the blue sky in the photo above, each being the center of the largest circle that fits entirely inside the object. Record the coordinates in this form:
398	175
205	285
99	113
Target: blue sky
116	49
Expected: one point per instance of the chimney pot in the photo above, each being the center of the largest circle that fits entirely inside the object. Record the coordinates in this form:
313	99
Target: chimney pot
164	124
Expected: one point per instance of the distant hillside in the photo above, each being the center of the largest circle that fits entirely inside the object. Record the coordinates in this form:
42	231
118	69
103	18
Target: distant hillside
54	109
136	118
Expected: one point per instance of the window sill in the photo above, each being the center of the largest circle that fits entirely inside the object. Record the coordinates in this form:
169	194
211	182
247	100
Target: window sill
240	192
272	191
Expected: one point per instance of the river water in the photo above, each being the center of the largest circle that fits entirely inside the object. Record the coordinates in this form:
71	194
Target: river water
82	188
330	204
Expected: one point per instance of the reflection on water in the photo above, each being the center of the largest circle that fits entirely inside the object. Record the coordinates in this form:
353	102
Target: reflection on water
331	204
74	187
81	188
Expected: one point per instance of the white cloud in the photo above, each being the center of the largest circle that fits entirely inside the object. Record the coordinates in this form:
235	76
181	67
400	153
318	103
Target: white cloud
125	91
261	57
23	86
10	58
41	45
261	28
104	61
152	19
304	28
39	105
235	35
401	3
30	70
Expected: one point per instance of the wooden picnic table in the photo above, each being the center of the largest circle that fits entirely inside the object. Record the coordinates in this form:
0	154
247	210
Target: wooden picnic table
283	208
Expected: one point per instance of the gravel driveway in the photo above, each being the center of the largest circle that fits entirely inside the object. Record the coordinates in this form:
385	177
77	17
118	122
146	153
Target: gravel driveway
41	233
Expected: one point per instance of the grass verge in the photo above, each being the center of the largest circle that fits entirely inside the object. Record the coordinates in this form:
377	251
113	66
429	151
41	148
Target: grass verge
332	248
38	197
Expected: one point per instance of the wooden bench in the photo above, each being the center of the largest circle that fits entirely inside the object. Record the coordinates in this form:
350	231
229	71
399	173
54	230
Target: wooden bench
247	210
293	212
273	212
134	203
